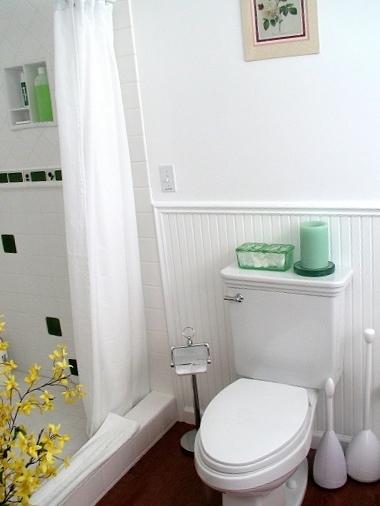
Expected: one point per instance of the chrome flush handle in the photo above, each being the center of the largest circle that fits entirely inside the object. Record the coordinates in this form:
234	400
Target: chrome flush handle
234	298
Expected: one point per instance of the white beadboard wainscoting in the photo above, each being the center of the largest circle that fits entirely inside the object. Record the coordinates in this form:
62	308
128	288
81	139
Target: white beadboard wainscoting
197	240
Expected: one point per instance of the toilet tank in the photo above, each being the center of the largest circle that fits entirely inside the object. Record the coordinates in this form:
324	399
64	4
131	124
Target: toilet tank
288	328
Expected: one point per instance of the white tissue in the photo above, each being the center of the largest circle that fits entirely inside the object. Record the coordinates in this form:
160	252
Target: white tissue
195	367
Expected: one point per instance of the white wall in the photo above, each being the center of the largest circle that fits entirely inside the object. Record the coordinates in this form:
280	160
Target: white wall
159	360
300	129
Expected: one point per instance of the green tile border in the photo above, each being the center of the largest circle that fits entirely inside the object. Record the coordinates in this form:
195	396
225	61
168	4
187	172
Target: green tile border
30	176
38	175
73	366
9	243
15	177
53	326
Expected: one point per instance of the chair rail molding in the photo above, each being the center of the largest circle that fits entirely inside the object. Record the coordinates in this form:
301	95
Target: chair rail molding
330	208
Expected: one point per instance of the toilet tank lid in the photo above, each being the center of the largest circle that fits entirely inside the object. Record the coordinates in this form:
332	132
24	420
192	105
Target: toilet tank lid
288	281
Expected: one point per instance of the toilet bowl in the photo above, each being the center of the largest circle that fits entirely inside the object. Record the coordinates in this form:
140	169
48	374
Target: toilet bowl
253	441
288	337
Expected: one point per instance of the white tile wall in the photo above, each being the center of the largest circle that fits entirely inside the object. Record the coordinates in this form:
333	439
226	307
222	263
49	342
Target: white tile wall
34	282
161	376
26	36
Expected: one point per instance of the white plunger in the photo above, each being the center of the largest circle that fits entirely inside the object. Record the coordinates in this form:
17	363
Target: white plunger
363	453
329	468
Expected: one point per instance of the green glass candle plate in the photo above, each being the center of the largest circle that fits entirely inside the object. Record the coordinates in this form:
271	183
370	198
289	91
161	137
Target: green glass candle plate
314	273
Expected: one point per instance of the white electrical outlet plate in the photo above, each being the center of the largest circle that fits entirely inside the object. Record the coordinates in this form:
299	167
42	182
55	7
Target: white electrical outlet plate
167	178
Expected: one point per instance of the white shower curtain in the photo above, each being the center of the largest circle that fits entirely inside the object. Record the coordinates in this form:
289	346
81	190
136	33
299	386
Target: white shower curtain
101	232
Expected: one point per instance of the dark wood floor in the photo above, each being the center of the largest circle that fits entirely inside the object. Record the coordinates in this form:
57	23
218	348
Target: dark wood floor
166	477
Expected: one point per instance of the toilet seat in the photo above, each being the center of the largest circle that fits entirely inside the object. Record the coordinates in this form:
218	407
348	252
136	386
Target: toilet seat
253	432
251	420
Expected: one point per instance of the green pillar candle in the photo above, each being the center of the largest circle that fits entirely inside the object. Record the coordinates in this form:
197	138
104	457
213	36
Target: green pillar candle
314	237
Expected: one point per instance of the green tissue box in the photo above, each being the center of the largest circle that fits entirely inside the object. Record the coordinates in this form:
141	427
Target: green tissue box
269	257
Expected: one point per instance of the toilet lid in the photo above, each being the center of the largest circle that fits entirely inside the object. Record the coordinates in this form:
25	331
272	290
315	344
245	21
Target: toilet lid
250	420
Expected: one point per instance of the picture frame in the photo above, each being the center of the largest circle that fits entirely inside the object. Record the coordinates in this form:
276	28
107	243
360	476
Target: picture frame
279	28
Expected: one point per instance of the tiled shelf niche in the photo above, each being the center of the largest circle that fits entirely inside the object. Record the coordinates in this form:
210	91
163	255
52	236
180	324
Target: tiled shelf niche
22	116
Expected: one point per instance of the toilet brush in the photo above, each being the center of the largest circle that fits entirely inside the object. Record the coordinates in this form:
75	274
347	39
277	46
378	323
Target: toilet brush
363	453
329	468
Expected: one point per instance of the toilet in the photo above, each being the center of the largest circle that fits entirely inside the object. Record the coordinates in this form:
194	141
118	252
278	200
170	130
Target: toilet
288	338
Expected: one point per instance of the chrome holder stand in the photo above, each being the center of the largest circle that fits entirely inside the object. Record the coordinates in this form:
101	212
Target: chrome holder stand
188	439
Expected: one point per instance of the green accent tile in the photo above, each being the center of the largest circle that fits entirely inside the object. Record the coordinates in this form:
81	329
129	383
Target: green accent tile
9	243
3	177
73	366
15	177
38	175
58	175
53	326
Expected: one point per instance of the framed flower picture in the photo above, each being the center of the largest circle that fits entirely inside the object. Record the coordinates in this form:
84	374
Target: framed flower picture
278	28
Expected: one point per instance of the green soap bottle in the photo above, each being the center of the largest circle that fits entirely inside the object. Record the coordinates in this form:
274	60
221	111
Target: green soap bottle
42	94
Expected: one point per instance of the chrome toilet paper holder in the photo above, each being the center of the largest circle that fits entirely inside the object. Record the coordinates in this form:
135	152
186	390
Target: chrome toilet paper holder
191	359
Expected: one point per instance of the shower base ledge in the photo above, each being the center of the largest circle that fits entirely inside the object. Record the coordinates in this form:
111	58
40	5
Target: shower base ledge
143	426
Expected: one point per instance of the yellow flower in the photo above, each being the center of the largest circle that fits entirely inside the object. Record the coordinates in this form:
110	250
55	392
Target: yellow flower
58	353
47	398
54	429
27	458
47	470
63	364
28	444
11	364
16	464
26	484
33	374
3	344
2	323
54	355
51	447
5	412
11	382
28	405
80	391
71	395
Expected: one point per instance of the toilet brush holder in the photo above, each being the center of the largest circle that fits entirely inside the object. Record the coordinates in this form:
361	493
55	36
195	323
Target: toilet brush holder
329	470
191	359
363	453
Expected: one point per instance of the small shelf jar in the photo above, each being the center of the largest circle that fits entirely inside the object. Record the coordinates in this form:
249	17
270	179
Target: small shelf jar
22	100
